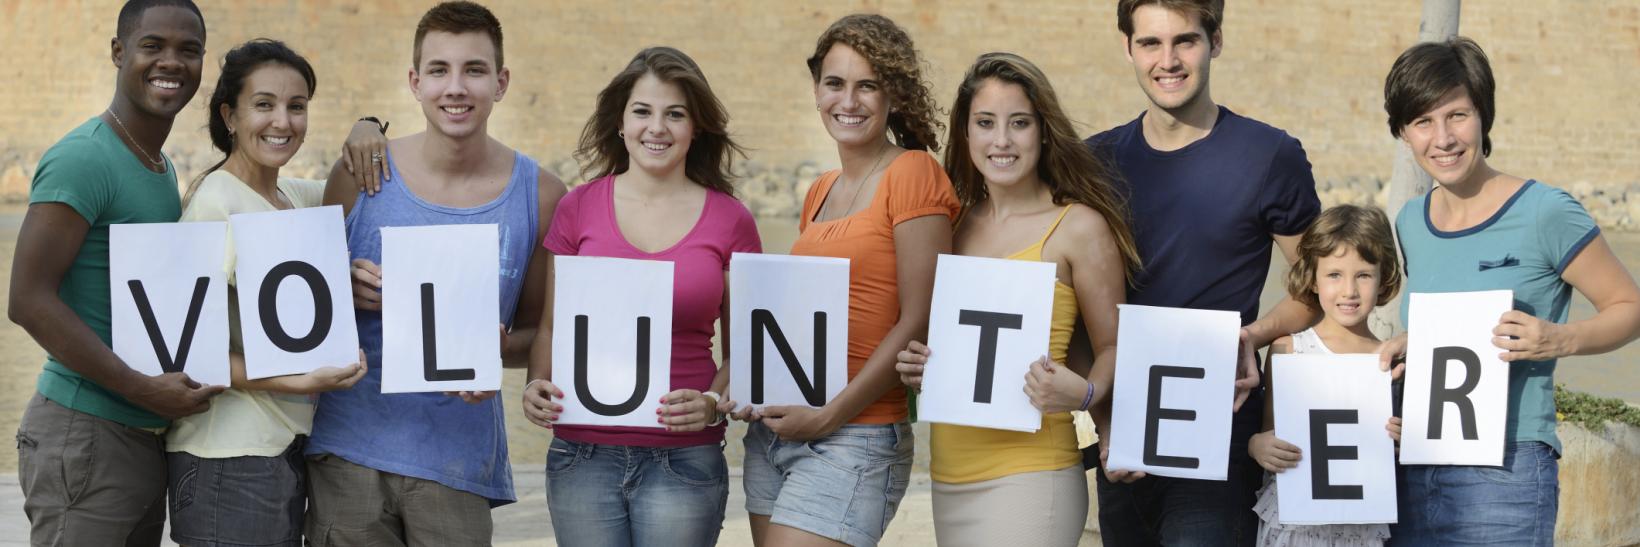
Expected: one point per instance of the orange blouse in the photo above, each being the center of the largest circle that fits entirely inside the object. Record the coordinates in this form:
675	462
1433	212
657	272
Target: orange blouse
912	186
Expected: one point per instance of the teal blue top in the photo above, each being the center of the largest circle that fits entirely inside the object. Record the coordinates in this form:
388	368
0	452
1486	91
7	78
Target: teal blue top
1524	247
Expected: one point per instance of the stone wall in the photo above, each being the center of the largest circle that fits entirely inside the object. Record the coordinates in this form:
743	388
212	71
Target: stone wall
1314	68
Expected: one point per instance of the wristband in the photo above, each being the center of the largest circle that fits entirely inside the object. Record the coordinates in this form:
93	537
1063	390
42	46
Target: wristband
1087	399
379	124
716	399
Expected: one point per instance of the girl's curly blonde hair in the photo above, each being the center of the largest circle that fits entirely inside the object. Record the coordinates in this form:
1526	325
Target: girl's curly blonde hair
913	117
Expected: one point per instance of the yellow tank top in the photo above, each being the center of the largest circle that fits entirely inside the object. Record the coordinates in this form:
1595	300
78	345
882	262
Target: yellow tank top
962	454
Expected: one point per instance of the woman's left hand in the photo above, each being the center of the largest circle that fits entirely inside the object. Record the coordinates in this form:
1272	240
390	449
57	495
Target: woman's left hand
1054	388
797	423
686	410
365	156
1527	338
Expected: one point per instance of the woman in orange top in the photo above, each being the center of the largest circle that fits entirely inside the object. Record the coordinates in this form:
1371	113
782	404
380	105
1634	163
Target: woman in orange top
836	474
1030	190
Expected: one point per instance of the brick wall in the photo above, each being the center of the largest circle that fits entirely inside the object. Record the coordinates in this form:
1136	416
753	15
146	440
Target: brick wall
1312	67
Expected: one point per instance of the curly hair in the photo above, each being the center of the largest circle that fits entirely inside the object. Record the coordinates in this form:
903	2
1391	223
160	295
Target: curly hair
913	116
710	159
1366	229
1066	166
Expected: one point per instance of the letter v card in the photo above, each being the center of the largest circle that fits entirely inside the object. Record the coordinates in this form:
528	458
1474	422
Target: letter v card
169	298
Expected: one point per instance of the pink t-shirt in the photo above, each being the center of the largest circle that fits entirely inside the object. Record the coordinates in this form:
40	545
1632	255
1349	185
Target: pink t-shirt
584	225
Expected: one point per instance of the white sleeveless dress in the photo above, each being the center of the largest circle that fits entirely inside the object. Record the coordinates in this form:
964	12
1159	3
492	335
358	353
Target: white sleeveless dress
1272	534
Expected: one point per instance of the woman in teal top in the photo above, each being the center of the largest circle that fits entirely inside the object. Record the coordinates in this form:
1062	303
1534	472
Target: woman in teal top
1482	229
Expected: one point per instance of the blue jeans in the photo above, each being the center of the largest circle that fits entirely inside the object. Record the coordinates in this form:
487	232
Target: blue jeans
1472	505
1177	512
616	496
845	486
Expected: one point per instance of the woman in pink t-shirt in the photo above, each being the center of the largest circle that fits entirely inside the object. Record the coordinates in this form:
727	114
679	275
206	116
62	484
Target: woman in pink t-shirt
660	155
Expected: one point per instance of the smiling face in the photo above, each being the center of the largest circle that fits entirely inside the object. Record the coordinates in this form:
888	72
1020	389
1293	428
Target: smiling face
1171	55
160	61
1346	286
657	126
1004	135
269	119
458	82
853	104
1446	141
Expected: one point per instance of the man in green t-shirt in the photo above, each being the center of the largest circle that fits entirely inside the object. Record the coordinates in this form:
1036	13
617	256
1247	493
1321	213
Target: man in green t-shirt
90	451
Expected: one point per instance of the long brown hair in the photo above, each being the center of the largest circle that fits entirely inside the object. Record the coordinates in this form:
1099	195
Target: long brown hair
1071	171
913	117
710	160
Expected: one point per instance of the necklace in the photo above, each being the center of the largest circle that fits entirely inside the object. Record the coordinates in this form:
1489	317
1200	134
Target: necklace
127	132
856	195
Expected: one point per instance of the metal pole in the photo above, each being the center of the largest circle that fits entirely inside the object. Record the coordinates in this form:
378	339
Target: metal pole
1407	180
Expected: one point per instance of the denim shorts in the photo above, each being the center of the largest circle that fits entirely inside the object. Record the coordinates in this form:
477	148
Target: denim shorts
243	501
844	487
1514	504
624	496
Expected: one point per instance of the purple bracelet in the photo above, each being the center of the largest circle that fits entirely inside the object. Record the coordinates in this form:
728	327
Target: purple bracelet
1087	399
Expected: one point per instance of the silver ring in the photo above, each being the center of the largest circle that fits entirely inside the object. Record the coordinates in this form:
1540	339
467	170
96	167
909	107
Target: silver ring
376	157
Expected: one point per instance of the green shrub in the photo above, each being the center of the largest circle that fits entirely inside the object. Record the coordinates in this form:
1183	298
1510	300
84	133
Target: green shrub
1593	412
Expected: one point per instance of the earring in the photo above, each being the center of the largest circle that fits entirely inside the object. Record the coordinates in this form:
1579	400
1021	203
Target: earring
621	134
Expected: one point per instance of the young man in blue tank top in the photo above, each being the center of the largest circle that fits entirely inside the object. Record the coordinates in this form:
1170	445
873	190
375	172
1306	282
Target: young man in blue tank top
1210	192
375	479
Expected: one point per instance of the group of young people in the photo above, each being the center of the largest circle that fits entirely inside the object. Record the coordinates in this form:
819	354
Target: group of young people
1179	207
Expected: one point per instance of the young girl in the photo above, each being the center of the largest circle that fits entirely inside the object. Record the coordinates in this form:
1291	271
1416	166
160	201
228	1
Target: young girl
659	150
1346	266
837	473
236	470
1031	190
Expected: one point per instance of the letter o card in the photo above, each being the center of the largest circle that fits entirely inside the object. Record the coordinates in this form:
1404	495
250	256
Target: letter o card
1457	390
295	291
1175	383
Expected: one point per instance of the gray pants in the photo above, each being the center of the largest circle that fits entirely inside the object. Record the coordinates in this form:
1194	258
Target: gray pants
350	505
87	480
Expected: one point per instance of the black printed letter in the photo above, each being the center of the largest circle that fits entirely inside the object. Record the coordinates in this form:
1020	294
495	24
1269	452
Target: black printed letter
166	362
1154	414
584	391
429	347
267	301
1325	453
814	392
1439	395
989	323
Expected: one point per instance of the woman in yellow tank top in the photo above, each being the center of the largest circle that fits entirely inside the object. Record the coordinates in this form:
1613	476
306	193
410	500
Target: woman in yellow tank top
1030	190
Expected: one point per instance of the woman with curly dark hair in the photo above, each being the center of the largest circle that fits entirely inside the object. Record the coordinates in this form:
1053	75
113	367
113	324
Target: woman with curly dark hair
835	474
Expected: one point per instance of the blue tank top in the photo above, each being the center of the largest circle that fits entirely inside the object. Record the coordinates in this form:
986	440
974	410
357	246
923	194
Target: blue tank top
429	435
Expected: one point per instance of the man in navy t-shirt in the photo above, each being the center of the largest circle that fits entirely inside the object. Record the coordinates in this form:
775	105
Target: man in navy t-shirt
1209	192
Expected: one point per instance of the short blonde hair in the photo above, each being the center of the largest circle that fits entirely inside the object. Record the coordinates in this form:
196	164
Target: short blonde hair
1366	229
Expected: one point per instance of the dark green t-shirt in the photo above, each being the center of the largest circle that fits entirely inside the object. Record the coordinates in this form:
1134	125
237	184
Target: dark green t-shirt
93	172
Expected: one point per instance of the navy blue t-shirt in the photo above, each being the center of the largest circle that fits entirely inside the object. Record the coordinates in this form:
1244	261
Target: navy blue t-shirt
1203	214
